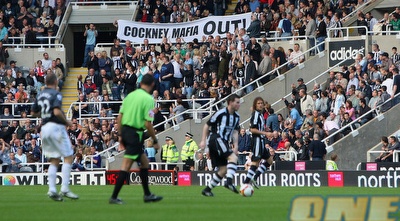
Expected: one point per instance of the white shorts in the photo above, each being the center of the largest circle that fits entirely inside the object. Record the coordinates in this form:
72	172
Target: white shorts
55	141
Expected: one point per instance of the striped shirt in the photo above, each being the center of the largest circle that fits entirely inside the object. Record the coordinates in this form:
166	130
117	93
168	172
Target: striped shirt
257	122
395	58
223	123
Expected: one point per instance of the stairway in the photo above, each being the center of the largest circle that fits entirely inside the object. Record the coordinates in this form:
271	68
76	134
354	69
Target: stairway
69	90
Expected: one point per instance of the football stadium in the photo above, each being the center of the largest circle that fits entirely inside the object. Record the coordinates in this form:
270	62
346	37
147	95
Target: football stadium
200	109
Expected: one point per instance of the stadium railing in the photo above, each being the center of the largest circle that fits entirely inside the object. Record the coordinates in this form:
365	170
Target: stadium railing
373	152
260	86
346	31
193	110
15	107
356	11
108	156
307	83
353	126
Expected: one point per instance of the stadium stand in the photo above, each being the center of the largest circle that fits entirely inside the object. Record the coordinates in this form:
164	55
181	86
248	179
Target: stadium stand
205	71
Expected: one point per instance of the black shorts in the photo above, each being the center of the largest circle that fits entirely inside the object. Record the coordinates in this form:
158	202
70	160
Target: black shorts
133	142
259	150
220	150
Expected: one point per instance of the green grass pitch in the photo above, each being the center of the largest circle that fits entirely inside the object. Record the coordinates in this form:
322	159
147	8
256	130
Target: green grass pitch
21	203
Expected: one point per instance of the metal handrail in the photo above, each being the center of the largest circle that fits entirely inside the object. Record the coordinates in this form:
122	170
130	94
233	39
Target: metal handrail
288	151
395	156
376	110
356	10
134	2
62	29
257	81
69	112
307	83
108	157
12	111
347	30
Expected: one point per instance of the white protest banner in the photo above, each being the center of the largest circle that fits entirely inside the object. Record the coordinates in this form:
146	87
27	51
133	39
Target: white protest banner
154	32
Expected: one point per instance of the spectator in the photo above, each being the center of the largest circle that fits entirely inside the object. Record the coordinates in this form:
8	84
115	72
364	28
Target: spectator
78	163
91	35
13	163
285	26
201	162
385	106
21	156
243	146
3	32
385	149
302	150
330	127
130	78
254	28
321	32
150	151
317	149
364	109
94	159
393	145
3	53
295	57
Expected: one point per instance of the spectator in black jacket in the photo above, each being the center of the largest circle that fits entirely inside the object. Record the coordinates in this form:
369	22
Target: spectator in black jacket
302	150
363	110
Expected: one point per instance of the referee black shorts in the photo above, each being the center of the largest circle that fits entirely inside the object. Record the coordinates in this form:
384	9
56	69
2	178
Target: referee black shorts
220	150
133	142
259	150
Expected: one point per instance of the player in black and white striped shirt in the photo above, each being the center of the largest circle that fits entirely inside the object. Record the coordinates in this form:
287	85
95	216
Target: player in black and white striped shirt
260	152
220	129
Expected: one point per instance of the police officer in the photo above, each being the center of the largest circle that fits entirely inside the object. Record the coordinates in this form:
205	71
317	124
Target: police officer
172	153
188	150
164	149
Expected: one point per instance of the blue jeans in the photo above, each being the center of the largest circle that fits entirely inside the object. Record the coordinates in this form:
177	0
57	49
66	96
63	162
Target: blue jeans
249	89
88	48
164	85
322	46
242	159
189	91
286	34
317	159
218	9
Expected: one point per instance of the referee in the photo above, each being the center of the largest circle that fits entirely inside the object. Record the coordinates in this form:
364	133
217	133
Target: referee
135	116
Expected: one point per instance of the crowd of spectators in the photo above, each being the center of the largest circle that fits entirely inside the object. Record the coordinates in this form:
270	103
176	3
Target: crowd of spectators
214	67
31	20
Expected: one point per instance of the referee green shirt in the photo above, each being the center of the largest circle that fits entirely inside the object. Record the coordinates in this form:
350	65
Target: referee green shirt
137	108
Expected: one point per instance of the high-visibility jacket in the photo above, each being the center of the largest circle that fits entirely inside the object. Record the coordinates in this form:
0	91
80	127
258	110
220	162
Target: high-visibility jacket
164	150
331	165
172	154
188	149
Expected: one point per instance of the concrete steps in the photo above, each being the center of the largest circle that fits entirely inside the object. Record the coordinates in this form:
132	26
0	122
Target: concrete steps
69	91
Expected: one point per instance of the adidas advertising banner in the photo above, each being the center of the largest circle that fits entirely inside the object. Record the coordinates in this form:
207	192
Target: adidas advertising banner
154	32
78	178
389	179
342	50
157	177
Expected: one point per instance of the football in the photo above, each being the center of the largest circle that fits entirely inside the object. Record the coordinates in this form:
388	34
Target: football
246	190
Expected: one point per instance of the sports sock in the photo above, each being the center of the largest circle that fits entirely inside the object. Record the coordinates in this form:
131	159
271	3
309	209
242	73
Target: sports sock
214	182
250	173
52	178
66	172
231	170
261	169
144	176
122	176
